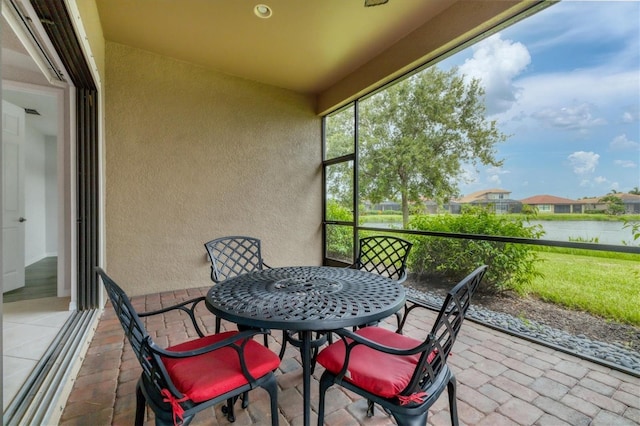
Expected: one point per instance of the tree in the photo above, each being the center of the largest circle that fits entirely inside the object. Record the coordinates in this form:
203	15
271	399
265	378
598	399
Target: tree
635	191
615	205
416	136
339	137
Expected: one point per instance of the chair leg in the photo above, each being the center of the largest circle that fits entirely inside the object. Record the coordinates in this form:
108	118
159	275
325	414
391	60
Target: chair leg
284	344
453	406
245	399
314	354
271	386
325	384
227	410
370	408
140	406
398	321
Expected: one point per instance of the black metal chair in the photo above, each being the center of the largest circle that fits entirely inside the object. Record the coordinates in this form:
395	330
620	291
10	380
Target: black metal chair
232	256
384	255
179	381
402	374
235	255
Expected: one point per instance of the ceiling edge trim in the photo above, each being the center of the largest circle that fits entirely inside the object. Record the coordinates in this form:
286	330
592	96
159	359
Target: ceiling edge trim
428	43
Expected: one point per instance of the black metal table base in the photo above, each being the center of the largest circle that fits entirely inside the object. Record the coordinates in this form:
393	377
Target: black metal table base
314	343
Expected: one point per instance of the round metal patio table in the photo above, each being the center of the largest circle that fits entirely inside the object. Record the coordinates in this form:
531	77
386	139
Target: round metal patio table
305	299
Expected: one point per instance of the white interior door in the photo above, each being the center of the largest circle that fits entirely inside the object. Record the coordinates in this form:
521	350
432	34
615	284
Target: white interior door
13	140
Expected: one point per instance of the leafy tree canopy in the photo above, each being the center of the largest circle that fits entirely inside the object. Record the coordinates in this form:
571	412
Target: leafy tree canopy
615	205
416	136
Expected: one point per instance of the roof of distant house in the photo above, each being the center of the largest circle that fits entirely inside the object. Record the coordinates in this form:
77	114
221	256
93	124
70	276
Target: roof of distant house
628	198
546	199
479	195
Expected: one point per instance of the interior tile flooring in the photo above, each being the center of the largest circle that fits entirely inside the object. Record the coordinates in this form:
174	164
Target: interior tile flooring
30	322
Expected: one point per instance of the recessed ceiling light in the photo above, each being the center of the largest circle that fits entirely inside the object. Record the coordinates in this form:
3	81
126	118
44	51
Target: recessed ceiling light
263	11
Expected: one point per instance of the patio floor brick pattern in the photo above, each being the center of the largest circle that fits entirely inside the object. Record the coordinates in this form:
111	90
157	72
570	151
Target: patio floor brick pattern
502	380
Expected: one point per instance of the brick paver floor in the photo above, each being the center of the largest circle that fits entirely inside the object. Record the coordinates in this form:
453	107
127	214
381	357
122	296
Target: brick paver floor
502	380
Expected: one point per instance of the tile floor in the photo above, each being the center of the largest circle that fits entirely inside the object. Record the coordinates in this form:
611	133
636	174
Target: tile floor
28	328
502	380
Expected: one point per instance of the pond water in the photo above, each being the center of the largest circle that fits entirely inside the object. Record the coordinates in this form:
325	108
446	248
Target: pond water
586	231
572	230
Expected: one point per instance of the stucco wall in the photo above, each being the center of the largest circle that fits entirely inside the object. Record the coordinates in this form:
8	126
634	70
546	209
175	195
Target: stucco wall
192	155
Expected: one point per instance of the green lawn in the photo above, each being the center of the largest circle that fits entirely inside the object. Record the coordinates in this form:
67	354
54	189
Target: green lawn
607	287
606	284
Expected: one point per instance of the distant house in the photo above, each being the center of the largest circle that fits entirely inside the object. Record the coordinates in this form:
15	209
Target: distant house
552	204
631	203
386	205
432	207
496	199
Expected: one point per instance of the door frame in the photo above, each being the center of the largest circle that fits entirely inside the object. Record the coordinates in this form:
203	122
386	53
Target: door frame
66	166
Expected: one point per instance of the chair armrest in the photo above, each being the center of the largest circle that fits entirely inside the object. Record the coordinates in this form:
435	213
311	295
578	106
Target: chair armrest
351	339
188	306
411	304
237	341
415	302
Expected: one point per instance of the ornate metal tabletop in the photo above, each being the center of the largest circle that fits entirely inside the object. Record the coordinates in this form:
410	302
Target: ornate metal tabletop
305	299
302	298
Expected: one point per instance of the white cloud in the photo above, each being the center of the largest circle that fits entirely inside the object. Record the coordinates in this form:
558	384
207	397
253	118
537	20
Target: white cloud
621	143
494	179
559	100
583	162
630	117
496	63
576	117
625	164
494	173
594	22
600	179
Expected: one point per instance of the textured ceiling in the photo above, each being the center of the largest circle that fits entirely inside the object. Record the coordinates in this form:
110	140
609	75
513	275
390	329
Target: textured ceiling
306	45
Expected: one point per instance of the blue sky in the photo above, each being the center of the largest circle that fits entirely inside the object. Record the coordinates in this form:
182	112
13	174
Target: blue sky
564	84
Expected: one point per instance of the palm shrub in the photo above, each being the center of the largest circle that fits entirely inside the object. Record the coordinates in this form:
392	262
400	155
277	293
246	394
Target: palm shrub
511	266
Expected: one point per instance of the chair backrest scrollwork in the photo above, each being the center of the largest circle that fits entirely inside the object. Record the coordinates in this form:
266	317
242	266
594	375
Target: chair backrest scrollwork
384	255
153	370
445	330
232	256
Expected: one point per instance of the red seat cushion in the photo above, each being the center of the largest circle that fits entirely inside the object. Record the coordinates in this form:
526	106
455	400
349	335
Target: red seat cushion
374	371
206	376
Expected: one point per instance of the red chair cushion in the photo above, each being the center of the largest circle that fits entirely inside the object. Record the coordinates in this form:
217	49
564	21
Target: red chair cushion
374	371
206	376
